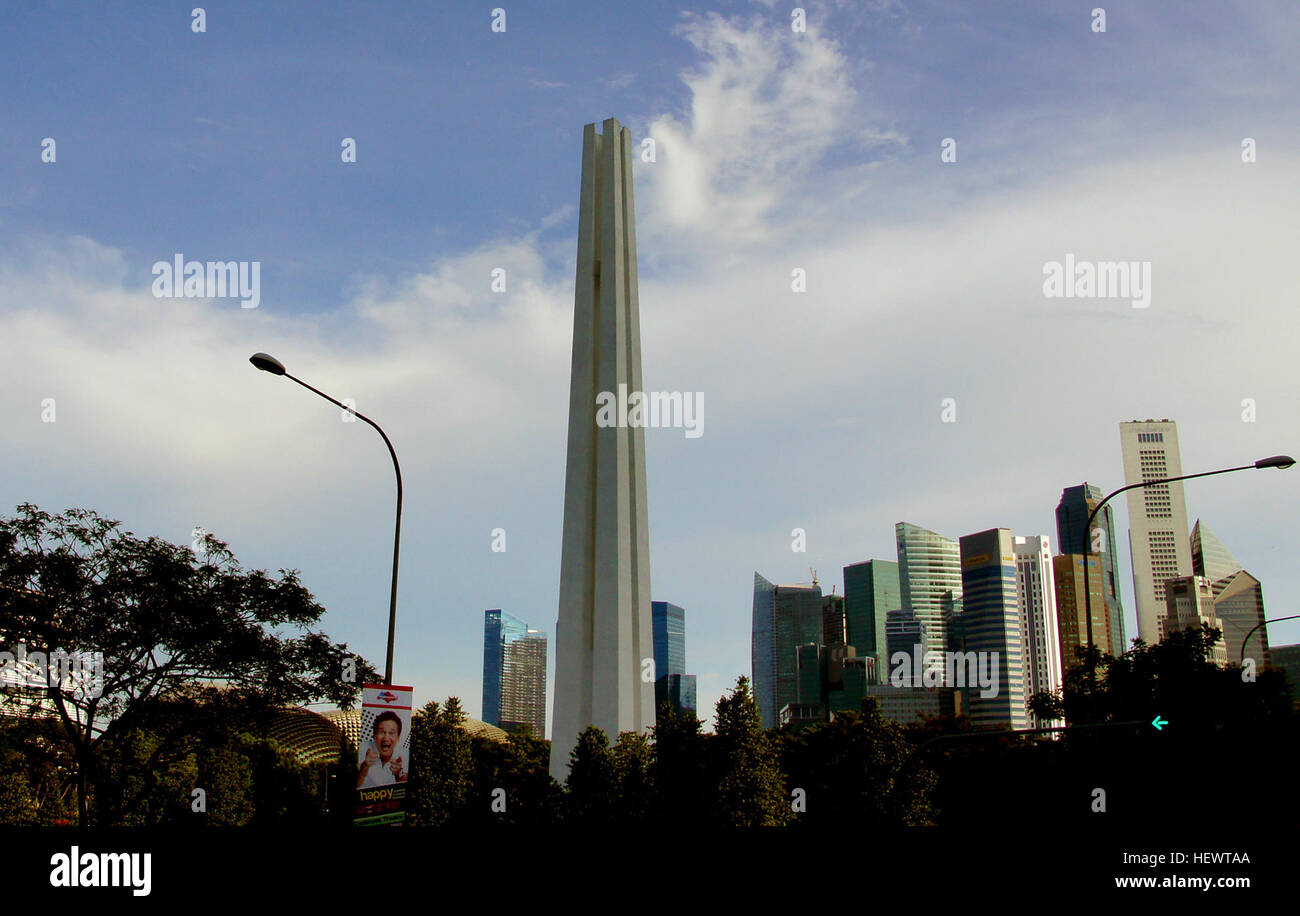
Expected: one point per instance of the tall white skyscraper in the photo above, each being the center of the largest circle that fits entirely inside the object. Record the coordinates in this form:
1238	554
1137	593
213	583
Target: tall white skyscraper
1157	518
1039	632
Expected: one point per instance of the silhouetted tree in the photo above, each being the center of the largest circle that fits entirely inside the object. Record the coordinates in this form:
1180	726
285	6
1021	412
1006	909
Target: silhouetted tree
853	767
169	622
442	764
633	763
750	789
680	770
592	786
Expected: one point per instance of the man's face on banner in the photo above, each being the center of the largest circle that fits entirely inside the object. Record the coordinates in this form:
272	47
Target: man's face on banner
386	734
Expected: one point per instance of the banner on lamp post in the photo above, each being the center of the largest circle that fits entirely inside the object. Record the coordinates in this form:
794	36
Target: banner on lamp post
383	755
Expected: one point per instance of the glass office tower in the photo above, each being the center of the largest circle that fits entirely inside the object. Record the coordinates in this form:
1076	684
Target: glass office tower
1071	519
785	617
514	674
672	684
871	591
930	582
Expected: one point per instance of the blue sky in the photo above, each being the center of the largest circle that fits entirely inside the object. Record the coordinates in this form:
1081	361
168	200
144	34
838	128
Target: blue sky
775	150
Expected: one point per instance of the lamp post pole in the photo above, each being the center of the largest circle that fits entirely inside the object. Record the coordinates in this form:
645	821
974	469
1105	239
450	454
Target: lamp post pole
268	363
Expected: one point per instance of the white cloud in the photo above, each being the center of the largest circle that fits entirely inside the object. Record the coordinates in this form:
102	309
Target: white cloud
766	105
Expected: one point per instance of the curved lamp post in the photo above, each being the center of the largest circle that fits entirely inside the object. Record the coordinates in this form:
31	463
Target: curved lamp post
1277	461
268	363
1242	653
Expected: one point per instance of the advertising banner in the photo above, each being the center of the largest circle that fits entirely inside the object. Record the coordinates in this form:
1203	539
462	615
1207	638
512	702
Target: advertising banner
383	755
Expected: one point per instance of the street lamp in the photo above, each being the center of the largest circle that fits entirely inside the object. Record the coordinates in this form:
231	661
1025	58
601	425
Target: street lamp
1277	461
268	363
1242	653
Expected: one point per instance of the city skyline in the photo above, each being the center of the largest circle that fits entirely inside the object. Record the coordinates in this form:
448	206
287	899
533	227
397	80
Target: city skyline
946	388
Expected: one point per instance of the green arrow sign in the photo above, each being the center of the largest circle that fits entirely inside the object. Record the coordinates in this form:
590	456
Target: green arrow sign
1159	723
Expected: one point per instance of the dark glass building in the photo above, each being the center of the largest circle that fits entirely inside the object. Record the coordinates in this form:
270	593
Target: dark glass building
1071	520
1071	606
672	684
785	617
834	624
871	591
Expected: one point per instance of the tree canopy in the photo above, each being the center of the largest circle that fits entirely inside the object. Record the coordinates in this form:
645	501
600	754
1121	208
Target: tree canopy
182	635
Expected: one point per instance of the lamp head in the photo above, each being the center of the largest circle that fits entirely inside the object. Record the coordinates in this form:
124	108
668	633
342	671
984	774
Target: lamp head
1277	461
268	363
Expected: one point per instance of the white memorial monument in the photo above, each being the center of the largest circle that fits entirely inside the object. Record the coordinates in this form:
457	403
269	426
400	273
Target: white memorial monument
604	669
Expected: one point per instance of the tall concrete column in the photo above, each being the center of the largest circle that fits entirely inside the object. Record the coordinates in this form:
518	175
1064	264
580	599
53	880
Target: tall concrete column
603	635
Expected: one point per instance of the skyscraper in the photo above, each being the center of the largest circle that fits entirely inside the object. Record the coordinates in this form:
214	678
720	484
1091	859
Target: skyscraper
930	582
1239	605
1072	514
1157	517
1238	596
1067	569
1040	634
991	624
603	633
834	623
785	617
1209	557
871	591
830	678
523	685
668	624
902	634
514	674
1189	605
678	691
672	684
